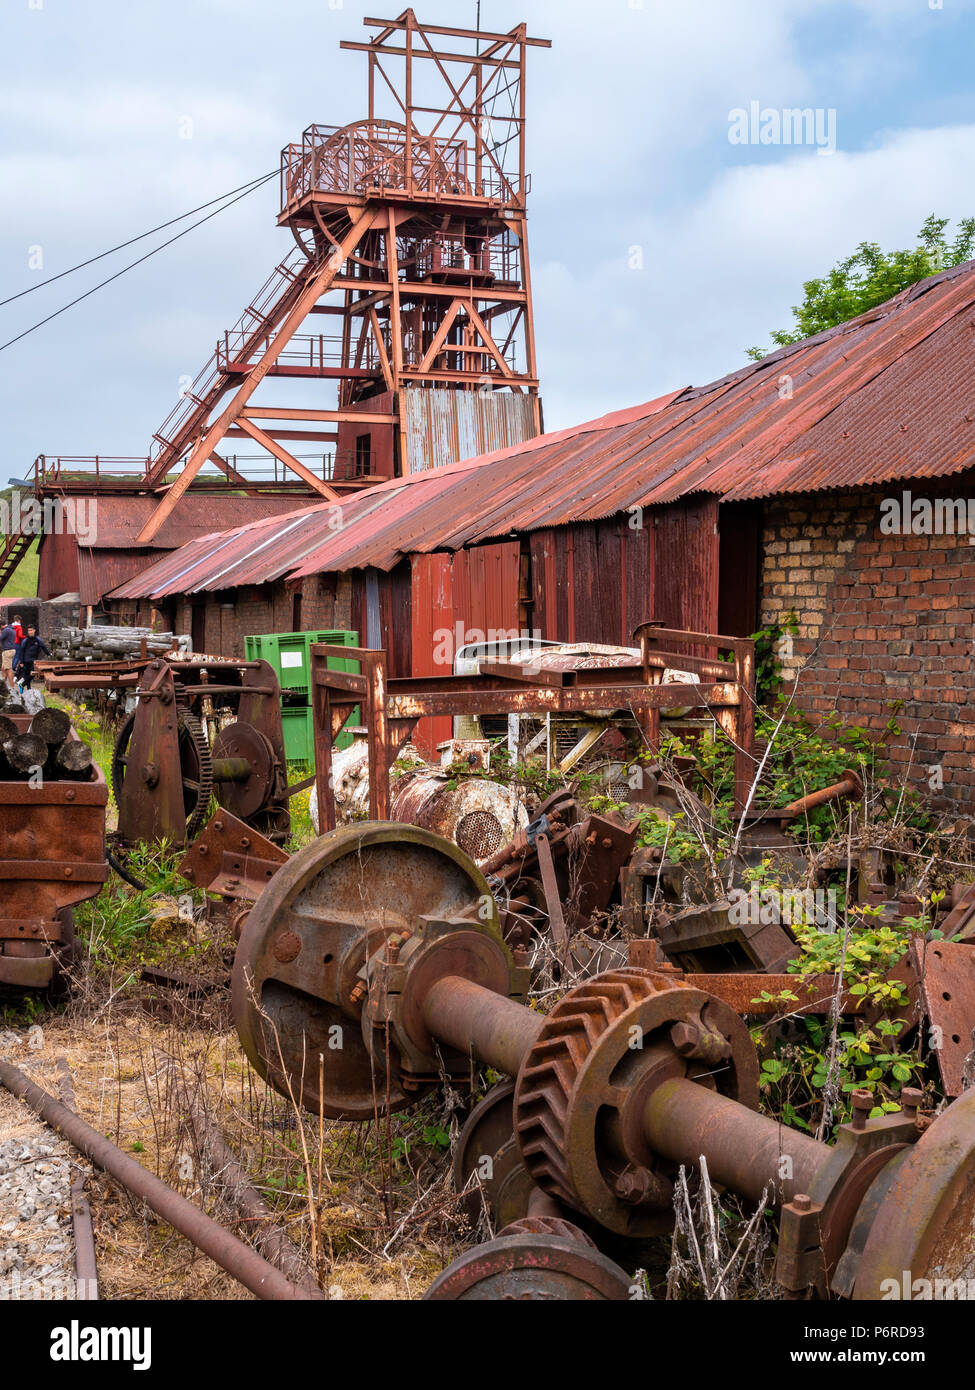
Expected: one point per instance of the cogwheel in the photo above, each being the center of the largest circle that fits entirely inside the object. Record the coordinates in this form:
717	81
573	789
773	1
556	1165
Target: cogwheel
193	741
547	1226
601	1051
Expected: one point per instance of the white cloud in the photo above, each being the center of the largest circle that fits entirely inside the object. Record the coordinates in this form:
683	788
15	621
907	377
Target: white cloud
722	272
627	144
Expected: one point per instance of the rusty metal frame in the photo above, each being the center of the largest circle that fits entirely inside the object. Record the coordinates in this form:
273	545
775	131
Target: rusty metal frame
392	707
411	232
61	827
152	808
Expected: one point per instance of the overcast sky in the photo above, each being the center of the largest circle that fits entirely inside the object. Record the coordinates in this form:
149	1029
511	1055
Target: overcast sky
629	151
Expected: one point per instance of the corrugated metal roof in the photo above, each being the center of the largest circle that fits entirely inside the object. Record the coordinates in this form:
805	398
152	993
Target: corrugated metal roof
102	570
117	520
882	397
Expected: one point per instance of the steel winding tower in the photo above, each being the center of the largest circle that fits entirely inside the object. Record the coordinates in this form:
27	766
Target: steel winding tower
411	241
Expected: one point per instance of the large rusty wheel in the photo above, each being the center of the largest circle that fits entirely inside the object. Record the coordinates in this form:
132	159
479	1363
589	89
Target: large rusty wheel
533	1261
487	1164
195	767
924	1228
297	986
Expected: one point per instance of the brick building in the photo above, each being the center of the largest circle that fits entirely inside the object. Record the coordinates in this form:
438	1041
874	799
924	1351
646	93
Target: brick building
886	624
718	508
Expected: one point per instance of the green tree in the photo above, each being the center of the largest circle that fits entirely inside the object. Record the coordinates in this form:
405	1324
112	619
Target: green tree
870	276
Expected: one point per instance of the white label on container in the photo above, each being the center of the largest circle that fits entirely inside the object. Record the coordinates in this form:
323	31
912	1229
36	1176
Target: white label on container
291	659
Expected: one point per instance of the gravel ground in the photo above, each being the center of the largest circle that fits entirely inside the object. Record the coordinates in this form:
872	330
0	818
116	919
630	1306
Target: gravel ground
36	1172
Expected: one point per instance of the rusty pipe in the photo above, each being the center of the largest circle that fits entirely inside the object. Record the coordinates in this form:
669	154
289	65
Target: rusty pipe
849	785
684	1121
206	1234
231	769
472	1019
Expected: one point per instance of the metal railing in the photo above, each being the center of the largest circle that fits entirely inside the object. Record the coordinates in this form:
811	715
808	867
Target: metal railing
371	157
51	470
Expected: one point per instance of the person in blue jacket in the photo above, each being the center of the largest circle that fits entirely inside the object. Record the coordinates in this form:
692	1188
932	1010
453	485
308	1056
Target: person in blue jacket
29	650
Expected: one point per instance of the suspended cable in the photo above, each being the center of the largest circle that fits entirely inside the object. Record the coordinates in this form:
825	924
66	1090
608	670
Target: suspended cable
246	187
132	264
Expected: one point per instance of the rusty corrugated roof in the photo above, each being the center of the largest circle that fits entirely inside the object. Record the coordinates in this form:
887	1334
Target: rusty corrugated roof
118	520
880	398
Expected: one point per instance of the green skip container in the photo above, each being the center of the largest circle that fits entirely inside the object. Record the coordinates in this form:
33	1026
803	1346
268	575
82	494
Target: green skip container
289	655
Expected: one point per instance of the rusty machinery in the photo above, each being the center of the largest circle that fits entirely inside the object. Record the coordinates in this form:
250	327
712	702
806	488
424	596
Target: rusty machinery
378	950
477	812
164	769
52	839
392	707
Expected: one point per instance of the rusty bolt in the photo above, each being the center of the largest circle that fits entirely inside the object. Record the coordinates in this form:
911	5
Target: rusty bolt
201	849
245	842
606	842
218	825
393	943
68	872
801	1202
69	795
911	1098
691	1041
188	873
521	956
862	1105
287	947
633	1185
591	839
358	992
684	1037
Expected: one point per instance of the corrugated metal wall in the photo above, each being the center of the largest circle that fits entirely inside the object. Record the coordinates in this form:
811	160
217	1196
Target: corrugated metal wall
686	564
444	427
596	582
485	580
459	598
58	564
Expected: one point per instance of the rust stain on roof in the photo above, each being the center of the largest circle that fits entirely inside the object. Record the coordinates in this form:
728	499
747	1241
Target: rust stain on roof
880	398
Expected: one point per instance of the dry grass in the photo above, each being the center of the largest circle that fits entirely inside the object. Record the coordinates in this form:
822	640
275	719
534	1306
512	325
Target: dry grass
377	1240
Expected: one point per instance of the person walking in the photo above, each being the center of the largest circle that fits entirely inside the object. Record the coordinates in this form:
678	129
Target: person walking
28	652
8	648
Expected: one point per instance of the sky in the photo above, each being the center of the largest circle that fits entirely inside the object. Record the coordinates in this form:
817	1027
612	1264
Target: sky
661	246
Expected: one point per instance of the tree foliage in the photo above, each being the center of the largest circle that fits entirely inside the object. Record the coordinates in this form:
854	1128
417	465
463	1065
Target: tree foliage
870	276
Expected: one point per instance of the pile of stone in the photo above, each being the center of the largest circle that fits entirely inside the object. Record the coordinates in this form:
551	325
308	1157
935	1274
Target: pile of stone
36	1238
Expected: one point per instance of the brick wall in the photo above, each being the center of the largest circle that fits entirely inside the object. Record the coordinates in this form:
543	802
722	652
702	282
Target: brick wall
237	613
883	618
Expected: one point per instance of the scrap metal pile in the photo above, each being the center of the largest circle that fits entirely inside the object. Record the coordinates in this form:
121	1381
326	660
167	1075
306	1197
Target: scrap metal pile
387	937
390	938
396	955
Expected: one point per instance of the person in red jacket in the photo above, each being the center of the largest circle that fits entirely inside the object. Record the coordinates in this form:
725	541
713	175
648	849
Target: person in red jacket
16	624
